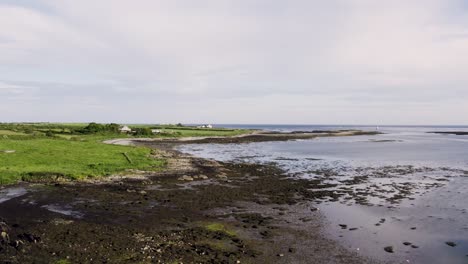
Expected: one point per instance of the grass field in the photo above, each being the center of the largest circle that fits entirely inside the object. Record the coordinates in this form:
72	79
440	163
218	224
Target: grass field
45	151
69	159
10	133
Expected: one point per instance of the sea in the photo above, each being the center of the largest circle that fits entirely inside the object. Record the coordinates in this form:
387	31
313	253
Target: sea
409	186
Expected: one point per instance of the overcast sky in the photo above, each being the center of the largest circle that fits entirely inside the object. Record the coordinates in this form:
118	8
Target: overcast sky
237	61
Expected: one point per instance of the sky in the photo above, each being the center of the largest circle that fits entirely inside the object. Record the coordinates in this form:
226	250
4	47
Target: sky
235	61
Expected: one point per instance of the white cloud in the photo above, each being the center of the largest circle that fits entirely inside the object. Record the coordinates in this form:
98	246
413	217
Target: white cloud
301	61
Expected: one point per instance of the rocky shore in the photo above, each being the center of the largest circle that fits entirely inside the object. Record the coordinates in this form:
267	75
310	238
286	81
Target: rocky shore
195	211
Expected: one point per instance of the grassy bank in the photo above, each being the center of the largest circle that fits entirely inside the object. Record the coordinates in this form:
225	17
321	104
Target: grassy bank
78	131
48	159
47	151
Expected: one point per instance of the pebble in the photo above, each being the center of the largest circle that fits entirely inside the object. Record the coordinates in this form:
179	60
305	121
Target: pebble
389	249
186	178
450	243
223	177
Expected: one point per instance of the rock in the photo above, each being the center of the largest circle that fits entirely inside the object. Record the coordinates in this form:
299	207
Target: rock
143	192
186	178
389	249
450	243
413	228
291	250
414	246
343	226
4	237
203	177
353	228
313	209
29	237
406	243
17	243
280	255
222	176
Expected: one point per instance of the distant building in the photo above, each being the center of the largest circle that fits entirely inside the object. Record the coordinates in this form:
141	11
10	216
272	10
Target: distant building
125	129
155	131
205	126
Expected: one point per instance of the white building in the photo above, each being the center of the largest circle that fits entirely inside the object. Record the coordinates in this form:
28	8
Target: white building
125	129
205	126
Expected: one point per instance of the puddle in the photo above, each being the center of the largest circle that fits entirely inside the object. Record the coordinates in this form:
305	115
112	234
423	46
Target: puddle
10	193
64	210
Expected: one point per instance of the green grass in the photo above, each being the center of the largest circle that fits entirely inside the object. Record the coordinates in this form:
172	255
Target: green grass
63	261
42	158
47	151
70	130
10	133
219	227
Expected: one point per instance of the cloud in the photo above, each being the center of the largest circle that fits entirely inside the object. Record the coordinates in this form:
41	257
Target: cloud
307	61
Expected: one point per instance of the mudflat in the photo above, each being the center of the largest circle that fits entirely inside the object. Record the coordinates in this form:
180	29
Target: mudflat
194	211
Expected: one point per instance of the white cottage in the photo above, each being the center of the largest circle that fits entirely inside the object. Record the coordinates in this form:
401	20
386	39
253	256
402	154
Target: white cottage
125	129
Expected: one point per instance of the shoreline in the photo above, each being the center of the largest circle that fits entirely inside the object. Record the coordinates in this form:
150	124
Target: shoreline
194	211
255	136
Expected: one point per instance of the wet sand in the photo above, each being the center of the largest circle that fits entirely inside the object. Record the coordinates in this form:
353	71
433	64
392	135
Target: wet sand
195	211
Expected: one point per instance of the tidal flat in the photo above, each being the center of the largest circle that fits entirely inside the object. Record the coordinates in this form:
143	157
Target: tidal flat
248	200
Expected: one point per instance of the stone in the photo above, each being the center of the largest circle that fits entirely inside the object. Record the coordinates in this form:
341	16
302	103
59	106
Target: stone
389	249
5	237
222	177
450	243
186	178
406	243
29	237
203	177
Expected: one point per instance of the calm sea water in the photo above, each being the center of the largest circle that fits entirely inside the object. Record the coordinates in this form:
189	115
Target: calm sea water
434	166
